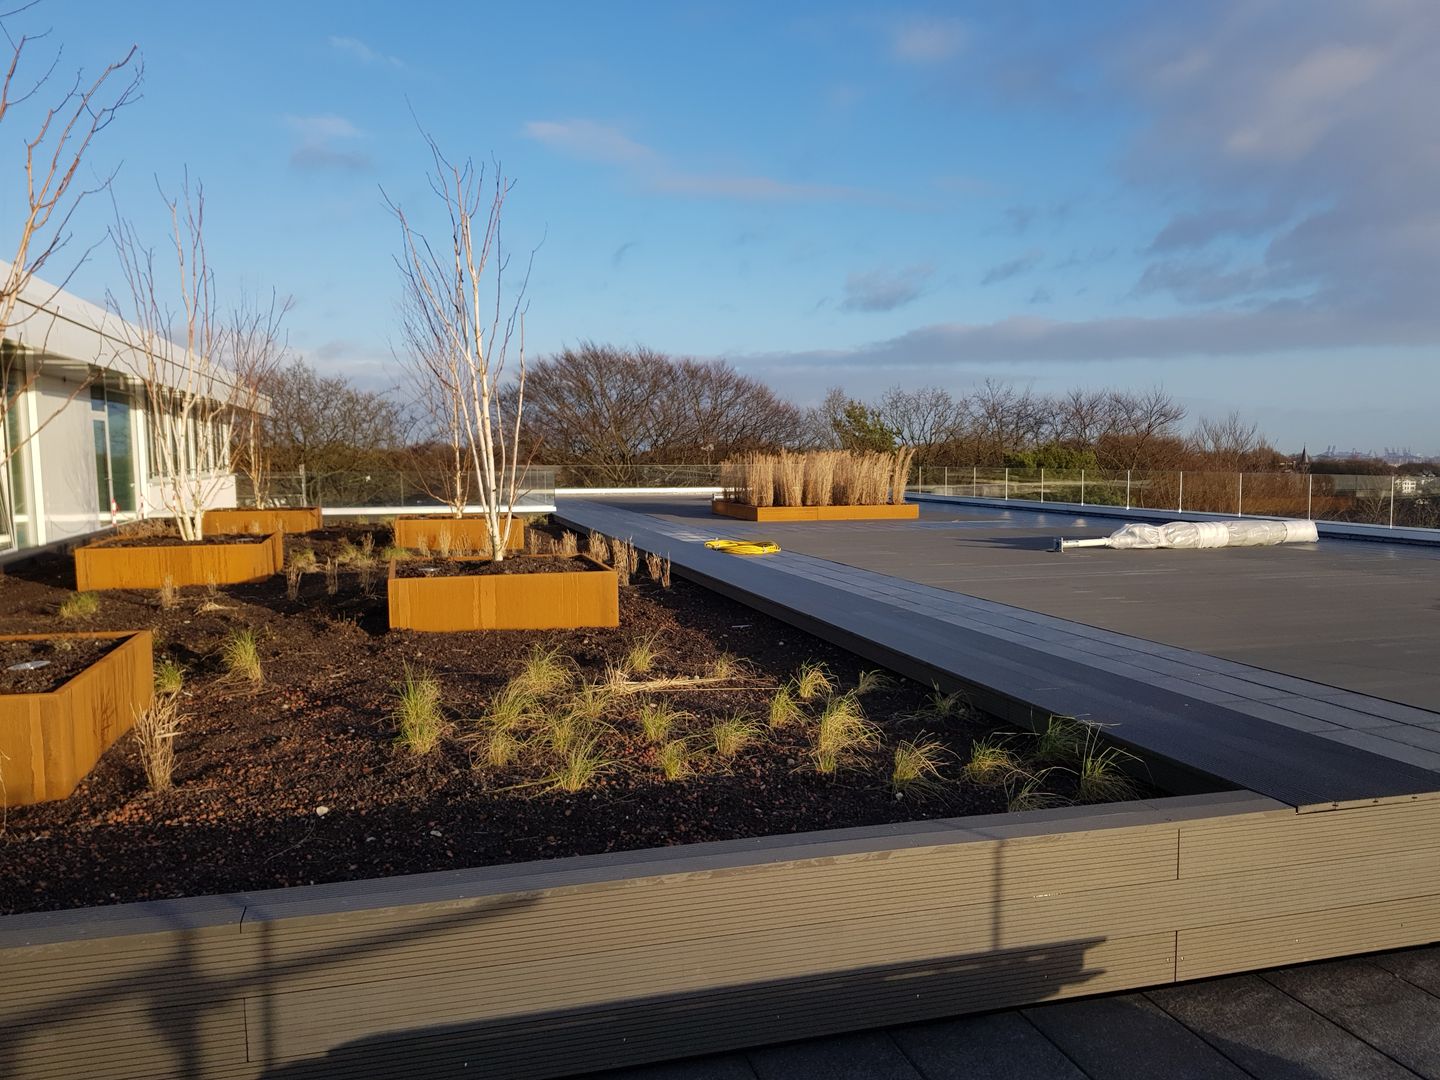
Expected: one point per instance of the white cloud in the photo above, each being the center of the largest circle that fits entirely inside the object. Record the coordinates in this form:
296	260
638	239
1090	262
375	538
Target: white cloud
927	39
358	50
885	290
326	142
605	145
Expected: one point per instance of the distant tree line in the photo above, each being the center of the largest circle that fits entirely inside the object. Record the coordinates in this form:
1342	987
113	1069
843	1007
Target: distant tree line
599	410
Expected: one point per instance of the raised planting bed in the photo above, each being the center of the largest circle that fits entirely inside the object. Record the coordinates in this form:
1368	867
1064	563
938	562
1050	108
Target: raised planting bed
521	592
315	897
454	536
152	562
76	693
879	512
295	519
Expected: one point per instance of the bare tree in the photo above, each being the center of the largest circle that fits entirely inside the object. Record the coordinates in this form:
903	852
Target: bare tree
55	145
256	349
928	419
436	376
1231	444
458	291
189	395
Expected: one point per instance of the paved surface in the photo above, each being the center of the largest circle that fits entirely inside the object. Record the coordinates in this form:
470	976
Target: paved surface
1296	741
1369	1018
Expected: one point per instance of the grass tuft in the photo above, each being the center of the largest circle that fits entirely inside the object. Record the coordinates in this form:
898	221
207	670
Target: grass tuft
916	768
417	712
1026	791
658	719
784	709
871	681
583	763
813	681
733	734
80	605
542	673
948	706
725	667
676	759
1100	776
169	677
991	762
168	596
640	660
841	732
241	656
1063	740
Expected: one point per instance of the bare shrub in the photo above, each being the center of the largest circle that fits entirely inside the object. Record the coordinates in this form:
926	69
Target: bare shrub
292	580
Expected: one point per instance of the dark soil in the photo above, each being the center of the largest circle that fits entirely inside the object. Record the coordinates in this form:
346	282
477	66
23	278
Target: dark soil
528	564
63	659
302	781
171	540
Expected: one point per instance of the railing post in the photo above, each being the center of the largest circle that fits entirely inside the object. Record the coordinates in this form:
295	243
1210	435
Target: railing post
1309	496
1082	487
1180	505
1007	483
1240	497
1127	489
946	476
1042	483
974	481
1392	502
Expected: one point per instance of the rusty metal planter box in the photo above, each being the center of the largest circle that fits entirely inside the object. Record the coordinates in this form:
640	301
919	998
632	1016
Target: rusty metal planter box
885	512
460	535
538	601
294	519
49	741
104	566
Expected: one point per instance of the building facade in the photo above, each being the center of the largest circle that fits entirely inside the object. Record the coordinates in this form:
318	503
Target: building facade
78	445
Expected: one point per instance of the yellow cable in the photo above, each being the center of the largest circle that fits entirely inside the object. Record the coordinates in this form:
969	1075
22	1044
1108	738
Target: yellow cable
744	547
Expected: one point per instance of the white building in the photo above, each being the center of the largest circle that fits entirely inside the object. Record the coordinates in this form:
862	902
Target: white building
76	445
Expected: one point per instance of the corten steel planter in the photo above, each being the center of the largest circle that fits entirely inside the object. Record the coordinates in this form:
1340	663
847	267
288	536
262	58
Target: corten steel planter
466	535
295	519
882	512
107	566
49	741
539	601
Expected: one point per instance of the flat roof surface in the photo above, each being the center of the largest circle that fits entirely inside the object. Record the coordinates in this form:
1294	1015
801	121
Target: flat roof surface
1359	615
1369	1018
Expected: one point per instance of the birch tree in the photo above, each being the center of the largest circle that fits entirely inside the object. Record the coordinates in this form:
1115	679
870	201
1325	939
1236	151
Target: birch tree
57	138
455	298
256	350
174	353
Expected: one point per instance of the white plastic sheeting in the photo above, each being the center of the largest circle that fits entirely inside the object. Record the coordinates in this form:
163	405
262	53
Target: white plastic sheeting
1203	534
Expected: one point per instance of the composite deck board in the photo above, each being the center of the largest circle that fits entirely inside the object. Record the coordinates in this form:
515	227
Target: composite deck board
1036	662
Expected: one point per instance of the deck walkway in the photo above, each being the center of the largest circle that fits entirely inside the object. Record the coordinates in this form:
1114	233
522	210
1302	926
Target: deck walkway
1309	744
1369	1018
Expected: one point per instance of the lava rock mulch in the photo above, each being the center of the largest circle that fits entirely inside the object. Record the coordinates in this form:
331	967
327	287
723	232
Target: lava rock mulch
301	781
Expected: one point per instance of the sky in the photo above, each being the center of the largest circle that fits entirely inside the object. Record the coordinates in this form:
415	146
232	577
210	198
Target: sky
1238	201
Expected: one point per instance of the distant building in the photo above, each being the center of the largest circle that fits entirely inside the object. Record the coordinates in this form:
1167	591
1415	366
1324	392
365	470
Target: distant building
72	385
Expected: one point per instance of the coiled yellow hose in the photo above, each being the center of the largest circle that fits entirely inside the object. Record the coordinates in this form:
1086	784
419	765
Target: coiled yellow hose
744	547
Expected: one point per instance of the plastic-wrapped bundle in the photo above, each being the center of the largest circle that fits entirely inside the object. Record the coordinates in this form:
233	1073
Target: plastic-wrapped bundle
1203	534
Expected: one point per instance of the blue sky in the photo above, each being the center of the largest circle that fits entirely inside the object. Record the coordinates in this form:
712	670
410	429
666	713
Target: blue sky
1237	200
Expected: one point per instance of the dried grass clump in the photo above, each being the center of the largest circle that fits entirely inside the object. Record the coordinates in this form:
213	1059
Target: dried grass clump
597	546
569	543
155	731
292	581
732	735
80	605
168	596
818	478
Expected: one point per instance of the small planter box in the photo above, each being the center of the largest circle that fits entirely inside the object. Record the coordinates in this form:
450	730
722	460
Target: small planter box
885	512
466	535
106	566
298	519
539	601
48	742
